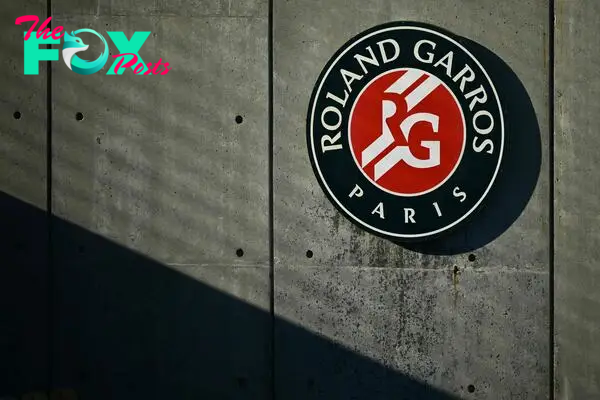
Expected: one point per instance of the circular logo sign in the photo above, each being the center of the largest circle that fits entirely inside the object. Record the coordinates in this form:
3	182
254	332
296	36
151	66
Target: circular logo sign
405	131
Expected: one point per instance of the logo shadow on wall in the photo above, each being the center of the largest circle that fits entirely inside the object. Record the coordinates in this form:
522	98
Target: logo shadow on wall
519	170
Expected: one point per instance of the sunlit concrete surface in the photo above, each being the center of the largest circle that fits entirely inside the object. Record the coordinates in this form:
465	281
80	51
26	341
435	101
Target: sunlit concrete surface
577	277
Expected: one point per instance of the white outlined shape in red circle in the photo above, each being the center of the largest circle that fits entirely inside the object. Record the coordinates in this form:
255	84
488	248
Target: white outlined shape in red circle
338	194
407	132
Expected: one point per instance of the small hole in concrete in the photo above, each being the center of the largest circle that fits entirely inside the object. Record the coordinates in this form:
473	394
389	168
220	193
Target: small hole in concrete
309	253
17	115
472	257
456	270
239	119
79	116
471	388
239	252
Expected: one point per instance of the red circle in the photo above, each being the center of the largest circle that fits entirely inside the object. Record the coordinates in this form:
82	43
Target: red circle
417	159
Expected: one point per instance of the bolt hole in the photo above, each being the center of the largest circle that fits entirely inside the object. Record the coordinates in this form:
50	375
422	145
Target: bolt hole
471	388
17	115
309	254
239	252
472	257
79	116
239	119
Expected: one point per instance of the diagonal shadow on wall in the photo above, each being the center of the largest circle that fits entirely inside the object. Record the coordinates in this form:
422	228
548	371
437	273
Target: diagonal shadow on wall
123	326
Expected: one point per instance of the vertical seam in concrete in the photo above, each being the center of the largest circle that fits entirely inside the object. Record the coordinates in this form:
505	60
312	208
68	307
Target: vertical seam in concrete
551	61
271	216
50	267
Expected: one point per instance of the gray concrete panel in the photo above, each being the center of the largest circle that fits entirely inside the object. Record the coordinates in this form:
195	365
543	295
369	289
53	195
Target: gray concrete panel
487	329
159	163
23	157
161	177
23	228
128	327
577	270
306	35
196	8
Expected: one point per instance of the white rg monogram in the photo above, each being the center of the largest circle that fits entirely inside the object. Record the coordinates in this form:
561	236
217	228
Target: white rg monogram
383	142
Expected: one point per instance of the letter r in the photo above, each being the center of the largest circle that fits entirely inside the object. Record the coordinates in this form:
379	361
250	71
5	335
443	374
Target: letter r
128	46
32	54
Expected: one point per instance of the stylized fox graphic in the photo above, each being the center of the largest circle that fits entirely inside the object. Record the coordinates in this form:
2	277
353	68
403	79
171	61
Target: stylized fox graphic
73	44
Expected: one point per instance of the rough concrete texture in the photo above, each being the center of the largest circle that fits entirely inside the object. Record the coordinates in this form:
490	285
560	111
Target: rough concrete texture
143	293
160	166
159	163
577	271
374	296
304	217
23	236
478	327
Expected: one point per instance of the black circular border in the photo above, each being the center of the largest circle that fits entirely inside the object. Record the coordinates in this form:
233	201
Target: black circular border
473	208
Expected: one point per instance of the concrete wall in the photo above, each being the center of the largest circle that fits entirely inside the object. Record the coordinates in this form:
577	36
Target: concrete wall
173	266
24	277
577	270
161	167
486	324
